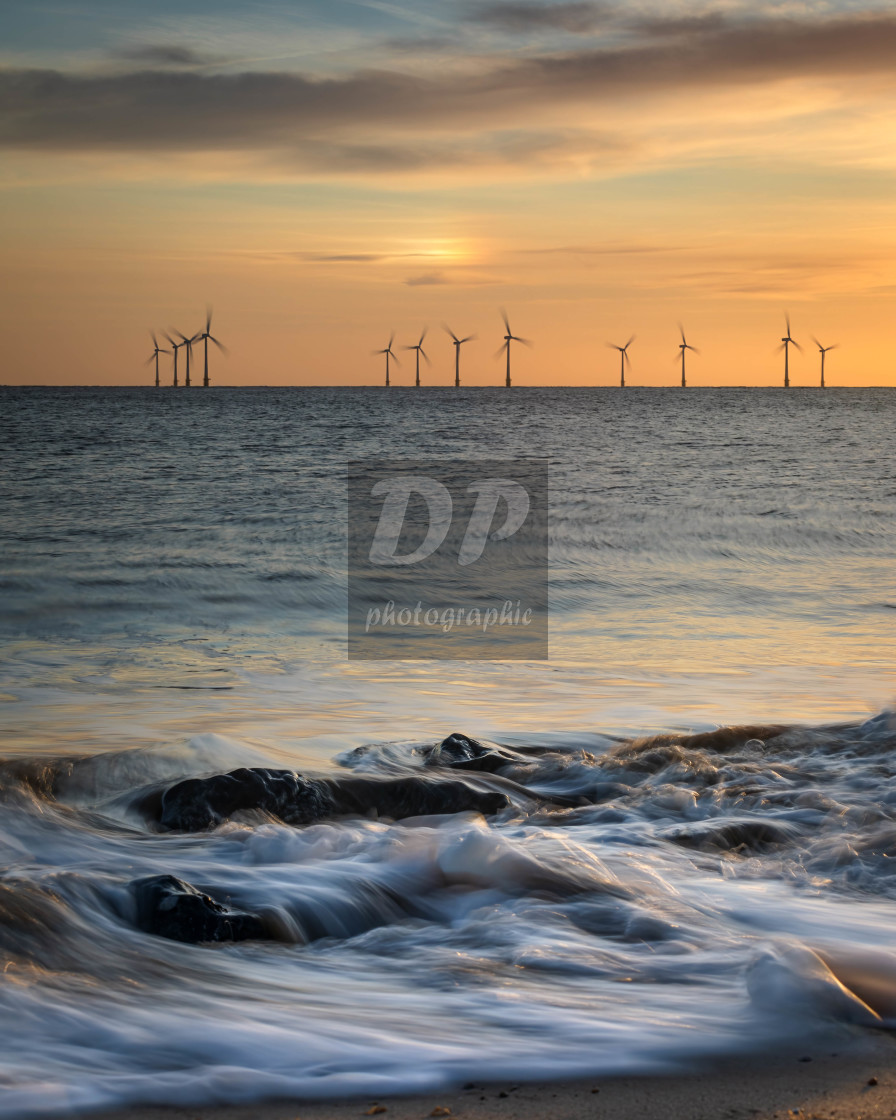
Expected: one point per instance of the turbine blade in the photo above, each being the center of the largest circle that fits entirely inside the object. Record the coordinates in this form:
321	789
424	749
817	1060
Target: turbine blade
506	321
613	346
469	338
681	332
694	348
422	336
795	343
152	335
220	345
817	343
208	318
630	341
501	349
425	357
445	327
391	340
787	321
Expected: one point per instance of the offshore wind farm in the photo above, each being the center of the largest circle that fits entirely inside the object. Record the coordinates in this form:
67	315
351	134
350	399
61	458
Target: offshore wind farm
204	335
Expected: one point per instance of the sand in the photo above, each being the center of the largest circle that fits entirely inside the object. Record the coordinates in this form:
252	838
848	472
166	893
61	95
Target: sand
851	1081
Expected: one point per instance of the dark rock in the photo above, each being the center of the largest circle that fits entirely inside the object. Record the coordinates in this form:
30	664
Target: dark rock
459	752
732	836
169	907
200	803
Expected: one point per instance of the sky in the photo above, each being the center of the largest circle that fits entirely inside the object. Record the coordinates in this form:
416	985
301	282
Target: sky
324	174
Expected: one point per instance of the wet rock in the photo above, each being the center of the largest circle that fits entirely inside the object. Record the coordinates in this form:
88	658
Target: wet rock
733	836
459	752
169	907
199	803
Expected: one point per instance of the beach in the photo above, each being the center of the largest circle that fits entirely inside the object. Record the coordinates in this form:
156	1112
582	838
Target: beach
858	1082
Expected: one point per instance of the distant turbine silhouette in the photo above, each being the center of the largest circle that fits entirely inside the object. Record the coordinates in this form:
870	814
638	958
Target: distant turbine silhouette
623	358
188	342
508	338
785	343
205	337
682	346
390	353
175	346
458	342
420	350
155	355
823	350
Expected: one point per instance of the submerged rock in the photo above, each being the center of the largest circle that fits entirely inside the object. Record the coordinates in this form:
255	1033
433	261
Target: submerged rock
735	835
459	752
169	907
199	803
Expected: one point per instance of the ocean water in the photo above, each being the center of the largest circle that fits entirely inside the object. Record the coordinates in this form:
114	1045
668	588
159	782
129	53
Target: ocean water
656	891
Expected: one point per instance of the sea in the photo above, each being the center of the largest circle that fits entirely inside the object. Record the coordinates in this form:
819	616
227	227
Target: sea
699	857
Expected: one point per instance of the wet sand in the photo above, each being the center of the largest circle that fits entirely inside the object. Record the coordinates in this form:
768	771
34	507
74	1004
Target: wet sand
852	1081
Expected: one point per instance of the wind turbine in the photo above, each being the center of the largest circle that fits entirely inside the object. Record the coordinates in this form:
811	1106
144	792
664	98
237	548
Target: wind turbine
188	342
508	338
207	337
682	346
175	346
785	343
420	350
458	342
155	354
623	358
390	353
823	350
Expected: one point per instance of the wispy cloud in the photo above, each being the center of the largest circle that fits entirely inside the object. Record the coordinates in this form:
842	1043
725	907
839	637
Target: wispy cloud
524	17
426	279
163	54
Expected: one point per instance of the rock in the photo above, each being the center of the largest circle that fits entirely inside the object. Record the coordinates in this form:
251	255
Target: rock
459	752
199	803
169	907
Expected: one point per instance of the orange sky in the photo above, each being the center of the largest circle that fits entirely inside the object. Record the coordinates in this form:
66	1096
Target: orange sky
326	174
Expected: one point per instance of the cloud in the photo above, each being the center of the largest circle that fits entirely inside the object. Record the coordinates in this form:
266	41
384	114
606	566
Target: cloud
602	250
522	17
163	54
426	279
341	258
512	112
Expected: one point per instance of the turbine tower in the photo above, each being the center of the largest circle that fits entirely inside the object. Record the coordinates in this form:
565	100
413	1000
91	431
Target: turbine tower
623	358
786	342
155	355
508	338
823	350
206	336
458	342
390	353
420	350
188	342
175	346
682	346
